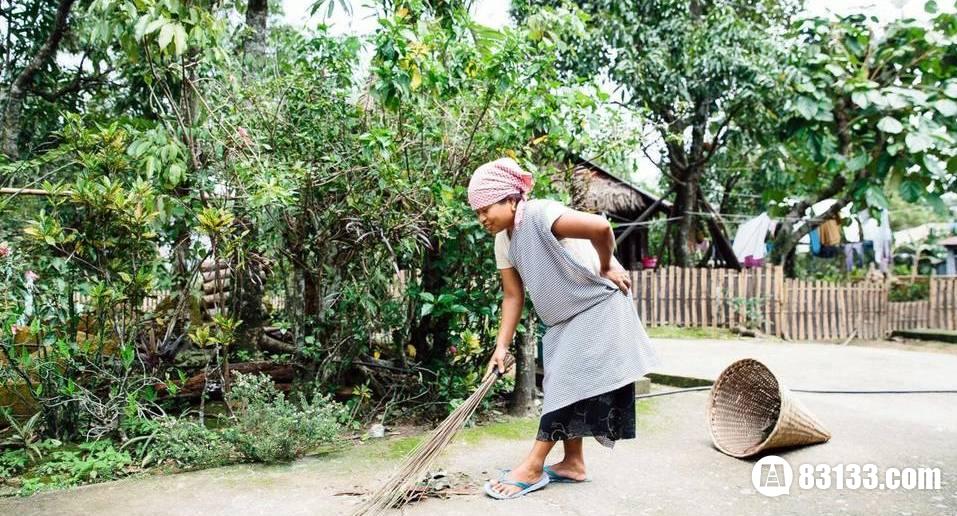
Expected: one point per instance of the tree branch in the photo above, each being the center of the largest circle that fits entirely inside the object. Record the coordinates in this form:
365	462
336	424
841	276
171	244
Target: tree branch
10	131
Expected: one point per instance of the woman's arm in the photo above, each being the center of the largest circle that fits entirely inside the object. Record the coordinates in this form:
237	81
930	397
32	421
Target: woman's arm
512	304
577	224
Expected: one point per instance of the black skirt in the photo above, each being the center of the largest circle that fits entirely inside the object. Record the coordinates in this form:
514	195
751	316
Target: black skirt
607	417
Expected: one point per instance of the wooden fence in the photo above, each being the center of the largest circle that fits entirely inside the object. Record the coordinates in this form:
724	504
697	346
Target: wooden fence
793	309
908	315
943	303
765	300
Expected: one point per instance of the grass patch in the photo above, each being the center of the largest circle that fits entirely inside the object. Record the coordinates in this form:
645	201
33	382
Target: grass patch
643	409
679	332
646	406
511	428
402	446
508	428
679	381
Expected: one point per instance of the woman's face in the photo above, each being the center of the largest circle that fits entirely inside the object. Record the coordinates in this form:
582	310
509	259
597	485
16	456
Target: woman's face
497	217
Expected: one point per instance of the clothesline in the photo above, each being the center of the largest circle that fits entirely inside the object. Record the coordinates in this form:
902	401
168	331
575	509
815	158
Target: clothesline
645	223
731	216
741	216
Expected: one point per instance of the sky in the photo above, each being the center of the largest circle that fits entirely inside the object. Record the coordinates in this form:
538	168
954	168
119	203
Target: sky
494	13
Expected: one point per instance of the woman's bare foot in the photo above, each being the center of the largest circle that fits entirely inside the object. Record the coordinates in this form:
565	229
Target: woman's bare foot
522	473
574	470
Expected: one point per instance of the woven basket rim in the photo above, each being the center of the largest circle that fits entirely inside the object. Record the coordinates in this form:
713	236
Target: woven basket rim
737	364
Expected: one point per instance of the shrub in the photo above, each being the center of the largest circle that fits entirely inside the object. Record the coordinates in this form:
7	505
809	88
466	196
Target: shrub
909	291
90	461
270	428
13	462
185	442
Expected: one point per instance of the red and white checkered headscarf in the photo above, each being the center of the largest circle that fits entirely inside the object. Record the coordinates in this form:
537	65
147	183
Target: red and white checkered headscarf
497	180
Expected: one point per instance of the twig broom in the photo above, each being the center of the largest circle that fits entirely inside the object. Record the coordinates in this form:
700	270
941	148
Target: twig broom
397	490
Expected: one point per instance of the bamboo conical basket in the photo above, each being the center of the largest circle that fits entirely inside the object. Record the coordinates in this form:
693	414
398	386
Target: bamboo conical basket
749	411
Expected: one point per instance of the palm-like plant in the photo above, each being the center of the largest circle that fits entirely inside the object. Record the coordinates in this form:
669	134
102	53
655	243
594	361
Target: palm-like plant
25	435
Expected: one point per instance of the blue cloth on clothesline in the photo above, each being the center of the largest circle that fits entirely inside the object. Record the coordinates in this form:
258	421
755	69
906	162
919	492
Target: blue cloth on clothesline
815	242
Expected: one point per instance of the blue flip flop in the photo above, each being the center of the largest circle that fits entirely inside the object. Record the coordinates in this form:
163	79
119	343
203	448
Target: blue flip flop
526	487
560	479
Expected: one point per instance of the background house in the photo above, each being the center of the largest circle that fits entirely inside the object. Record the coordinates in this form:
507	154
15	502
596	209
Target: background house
595	189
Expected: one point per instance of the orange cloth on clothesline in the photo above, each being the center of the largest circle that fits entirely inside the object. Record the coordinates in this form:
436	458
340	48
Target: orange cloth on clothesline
830	231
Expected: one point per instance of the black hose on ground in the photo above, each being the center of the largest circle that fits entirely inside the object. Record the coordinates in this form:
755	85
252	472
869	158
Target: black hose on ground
815	391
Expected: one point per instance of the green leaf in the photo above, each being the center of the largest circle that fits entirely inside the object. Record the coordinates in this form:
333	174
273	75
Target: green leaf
139	30
166	35
427	309
891	125
807	107
930	6
857	162
917	142
179	39
934	165
911	190
951	89
946	107
175	174
936	203
835	70
875	197
860	98
154	26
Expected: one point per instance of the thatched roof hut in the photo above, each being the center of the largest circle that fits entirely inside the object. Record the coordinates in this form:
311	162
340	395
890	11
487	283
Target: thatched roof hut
597	190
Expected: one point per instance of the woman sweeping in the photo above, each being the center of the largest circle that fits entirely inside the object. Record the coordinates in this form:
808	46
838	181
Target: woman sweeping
595	346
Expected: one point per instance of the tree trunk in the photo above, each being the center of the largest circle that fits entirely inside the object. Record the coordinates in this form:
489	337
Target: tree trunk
783	251
523	397
257	14
430	335
248	302
21	86
311	294
684	201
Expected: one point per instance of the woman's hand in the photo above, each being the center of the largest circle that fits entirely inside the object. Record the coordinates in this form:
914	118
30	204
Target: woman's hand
619	278
498	360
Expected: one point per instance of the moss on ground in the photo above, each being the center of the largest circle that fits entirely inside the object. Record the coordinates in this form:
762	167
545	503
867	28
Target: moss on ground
507	428
678	332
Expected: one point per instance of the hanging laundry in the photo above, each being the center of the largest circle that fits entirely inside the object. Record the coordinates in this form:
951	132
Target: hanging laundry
851	250
852	231
886	237
880	234
749	238
815	242
830	231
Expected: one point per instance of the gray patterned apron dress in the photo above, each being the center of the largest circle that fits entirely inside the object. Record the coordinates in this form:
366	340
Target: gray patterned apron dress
594	348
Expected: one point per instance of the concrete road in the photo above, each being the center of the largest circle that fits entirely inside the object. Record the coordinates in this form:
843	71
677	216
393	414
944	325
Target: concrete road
670	469
834	367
